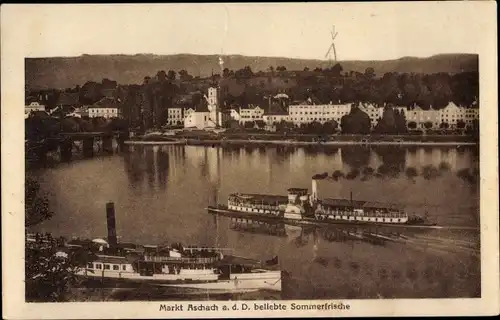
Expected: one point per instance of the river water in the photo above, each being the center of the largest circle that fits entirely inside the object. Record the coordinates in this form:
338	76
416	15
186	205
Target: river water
161	192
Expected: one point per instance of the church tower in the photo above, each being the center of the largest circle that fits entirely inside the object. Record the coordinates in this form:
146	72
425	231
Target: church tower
213	105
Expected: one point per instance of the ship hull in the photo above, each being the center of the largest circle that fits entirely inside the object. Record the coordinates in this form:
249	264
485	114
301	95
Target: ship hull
223	210
236	283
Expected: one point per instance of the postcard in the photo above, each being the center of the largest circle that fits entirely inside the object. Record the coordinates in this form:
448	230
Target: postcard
249	160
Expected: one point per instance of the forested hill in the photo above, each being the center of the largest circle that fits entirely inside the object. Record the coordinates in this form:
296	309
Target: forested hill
67	72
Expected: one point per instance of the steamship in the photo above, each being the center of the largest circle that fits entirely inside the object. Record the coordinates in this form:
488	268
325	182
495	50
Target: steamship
185	268
303	208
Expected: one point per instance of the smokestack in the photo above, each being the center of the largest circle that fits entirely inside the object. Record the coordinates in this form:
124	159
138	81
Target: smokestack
352	208
110	213
314	190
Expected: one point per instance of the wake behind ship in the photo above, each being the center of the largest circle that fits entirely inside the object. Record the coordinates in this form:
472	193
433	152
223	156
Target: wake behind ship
301	207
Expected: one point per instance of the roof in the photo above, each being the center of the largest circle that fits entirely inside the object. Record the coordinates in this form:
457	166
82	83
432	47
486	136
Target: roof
68	99
359	204
341	202
276	113
235	260
114	259
106	102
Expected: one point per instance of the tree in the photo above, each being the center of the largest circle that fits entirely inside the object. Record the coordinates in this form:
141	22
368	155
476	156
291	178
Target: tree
460	124
225	73
248	124
306	69
356	122
412	125
444	125
184	75
36	203
330	127
171	75
369	73
49	276
428	125
336	70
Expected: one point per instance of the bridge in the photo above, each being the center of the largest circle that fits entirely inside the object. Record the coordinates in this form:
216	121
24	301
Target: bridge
65	141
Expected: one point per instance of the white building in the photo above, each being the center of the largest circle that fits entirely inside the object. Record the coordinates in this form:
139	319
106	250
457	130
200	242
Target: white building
273	118
175	116
307	113
104	112
250	114
420	117
33	106
199	120
375	113
212	118
235	114
213	106
79	112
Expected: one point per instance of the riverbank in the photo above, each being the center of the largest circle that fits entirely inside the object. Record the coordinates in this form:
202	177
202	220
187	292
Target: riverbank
205	138
244	142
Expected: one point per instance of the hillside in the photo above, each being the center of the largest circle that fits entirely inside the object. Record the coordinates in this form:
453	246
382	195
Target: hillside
66	72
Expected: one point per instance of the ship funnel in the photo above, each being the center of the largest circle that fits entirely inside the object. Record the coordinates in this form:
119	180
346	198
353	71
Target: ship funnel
110	214
314	190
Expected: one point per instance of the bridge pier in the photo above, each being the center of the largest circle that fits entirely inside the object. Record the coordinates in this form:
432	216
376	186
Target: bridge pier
107	144
66	149
88	147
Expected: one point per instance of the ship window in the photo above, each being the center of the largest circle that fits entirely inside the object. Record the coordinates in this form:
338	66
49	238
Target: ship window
89	265
124	267
98	266
106	266
116	267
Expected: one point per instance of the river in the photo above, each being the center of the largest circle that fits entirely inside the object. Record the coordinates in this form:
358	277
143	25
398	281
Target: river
161	192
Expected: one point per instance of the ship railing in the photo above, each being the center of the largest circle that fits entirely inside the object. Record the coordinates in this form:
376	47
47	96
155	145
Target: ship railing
149	258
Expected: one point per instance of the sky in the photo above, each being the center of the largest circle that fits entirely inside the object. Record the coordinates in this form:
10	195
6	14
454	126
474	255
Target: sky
366	31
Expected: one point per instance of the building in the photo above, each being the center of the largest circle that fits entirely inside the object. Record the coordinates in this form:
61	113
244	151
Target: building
199	120
307	113
205	117
250	114
106	108
213	106
272	118
375	113
451	114
79	112
420	117
235	114
33	107
175	116
471	114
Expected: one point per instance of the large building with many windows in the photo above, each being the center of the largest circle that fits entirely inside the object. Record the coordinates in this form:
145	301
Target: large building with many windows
307	113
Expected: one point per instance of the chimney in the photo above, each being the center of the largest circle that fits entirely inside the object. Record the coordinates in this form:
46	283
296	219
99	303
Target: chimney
110	213
314	190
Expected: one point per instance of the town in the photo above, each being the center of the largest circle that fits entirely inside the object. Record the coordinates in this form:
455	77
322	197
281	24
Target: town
314	102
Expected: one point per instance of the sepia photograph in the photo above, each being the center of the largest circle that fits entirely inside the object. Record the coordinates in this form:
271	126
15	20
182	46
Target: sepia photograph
216	160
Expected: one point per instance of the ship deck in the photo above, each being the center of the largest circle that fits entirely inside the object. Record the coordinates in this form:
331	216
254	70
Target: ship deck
268	199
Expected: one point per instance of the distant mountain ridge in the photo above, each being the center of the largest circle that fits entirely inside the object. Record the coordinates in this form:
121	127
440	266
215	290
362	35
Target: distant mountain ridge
67	72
